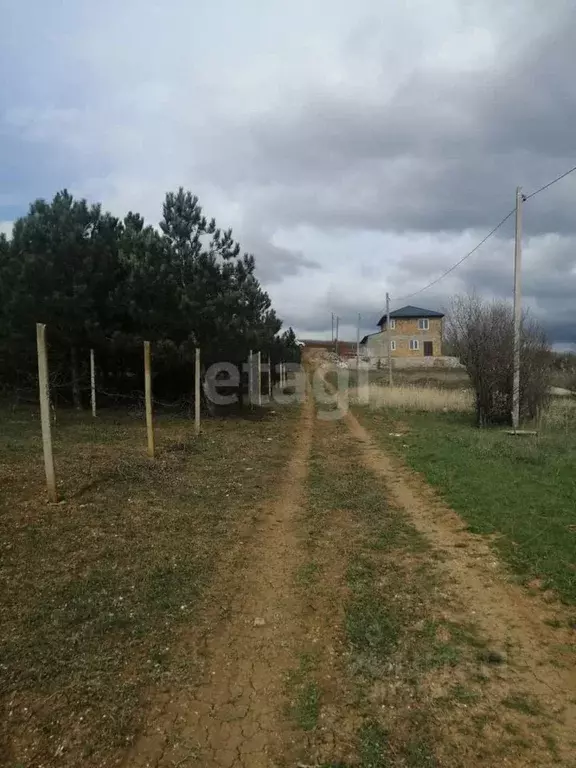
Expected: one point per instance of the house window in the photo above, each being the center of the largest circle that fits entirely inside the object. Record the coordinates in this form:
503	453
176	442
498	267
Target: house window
393	346
414	345
423	324
392	324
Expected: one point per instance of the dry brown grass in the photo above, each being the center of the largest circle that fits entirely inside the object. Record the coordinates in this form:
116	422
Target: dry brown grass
414	398
96	588
561	414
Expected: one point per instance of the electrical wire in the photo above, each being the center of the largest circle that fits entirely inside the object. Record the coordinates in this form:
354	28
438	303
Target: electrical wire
489	235
453	267
550	183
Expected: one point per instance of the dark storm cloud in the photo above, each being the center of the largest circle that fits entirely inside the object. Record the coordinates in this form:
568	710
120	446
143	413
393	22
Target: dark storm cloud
273	262
548	285
445	152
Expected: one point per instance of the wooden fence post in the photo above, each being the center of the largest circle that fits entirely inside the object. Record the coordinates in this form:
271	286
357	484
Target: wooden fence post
270	378
92	383
259	370
45	411
148	392
197	392
250	379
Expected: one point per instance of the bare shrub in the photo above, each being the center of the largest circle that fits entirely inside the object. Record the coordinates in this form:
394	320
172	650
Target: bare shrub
482	334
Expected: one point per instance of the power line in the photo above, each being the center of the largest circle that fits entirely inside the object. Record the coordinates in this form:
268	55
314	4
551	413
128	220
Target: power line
558	178
488	236
453	267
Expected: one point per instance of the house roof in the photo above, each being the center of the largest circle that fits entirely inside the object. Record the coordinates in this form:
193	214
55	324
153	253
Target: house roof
410	311
365	338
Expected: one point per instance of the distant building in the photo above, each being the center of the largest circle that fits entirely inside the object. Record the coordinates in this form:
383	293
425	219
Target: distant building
415	332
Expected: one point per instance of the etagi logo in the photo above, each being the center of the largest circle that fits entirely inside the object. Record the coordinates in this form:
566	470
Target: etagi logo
329	388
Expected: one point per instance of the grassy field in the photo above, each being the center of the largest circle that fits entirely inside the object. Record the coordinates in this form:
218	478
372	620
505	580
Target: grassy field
417	398
440	378
95	587
522	489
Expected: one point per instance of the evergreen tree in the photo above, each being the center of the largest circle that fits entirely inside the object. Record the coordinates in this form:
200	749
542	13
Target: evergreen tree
66	269
108	284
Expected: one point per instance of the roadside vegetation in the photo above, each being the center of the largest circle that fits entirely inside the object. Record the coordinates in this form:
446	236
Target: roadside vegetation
418	682
96	589
419	398
519	489
438	377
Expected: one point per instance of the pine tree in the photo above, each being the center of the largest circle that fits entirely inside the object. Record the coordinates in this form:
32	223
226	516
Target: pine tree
66	269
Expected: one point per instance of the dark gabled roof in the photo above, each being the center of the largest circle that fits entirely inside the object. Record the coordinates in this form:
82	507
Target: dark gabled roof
410	311
365	338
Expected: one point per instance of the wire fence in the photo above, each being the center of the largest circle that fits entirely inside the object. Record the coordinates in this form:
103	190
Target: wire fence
89	394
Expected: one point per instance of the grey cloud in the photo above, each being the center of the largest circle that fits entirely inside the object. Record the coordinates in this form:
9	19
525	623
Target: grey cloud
445	152
387	143
274	262
548	286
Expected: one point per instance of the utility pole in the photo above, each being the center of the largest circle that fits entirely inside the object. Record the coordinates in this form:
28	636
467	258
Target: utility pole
358	345
517	309
389	332
336	345
332	335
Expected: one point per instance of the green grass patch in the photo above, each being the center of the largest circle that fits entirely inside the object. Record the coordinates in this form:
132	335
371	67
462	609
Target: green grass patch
521	488
463	695
308	574
374	746
523	703
307	707
304	693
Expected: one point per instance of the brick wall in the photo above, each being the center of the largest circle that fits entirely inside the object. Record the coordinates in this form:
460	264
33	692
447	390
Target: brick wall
405	330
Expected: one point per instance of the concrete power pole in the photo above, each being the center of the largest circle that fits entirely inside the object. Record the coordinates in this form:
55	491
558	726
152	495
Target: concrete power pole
332	336
517	309
389	332
336	338
358	344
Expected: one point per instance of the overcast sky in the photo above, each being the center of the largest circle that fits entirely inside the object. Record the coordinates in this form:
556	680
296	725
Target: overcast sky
354	147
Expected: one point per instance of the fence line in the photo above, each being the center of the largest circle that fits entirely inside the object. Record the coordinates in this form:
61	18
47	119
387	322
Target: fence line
143	401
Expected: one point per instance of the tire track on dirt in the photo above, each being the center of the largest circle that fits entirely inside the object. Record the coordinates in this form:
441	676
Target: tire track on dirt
234	717
503	611
329	533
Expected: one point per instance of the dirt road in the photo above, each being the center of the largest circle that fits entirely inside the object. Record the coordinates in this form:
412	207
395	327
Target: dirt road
362	626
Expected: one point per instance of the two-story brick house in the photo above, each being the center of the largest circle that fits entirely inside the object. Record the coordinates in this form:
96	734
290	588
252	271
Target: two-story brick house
415	332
